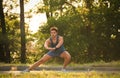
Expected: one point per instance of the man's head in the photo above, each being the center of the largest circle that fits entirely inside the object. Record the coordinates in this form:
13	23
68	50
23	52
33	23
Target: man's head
53	31
54	28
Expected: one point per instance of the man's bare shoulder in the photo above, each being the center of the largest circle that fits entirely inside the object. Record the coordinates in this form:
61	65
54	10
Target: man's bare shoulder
60	37
48	40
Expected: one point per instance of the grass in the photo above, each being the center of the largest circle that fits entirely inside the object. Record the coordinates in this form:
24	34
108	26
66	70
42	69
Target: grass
53	74
99	63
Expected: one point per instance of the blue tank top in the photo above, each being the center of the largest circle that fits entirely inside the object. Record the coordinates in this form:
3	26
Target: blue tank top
54	44
58	51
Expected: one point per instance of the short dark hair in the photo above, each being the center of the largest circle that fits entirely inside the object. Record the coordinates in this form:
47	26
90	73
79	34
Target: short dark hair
54	28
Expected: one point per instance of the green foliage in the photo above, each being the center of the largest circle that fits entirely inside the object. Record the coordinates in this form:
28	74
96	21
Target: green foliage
13	31
90	34
51	74
90	30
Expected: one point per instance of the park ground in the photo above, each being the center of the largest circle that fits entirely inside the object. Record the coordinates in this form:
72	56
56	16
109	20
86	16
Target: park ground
89	70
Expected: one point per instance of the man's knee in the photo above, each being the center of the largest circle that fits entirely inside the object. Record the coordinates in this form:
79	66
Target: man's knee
68	56
44	58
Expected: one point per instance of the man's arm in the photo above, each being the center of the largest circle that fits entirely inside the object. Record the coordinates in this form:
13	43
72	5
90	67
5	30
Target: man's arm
46	45
60	42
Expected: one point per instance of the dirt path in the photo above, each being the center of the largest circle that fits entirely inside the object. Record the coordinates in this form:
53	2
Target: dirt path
7	69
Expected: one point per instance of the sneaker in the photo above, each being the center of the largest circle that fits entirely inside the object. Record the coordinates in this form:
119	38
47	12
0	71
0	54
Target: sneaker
25	71
63	70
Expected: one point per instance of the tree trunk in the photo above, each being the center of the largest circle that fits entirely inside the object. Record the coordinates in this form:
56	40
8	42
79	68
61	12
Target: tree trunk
5	53
22	28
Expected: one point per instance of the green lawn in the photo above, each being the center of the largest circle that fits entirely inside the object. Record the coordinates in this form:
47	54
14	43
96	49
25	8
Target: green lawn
53	74
99	63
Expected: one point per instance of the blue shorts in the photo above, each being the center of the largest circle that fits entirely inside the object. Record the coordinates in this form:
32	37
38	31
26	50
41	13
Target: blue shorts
56	52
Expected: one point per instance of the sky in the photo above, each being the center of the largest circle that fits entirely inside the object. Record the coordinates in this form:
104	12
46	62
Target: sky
31	4
37	19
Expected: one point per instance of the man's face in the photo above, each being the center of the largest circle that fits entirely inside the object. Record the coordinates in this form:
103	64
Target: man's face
53	33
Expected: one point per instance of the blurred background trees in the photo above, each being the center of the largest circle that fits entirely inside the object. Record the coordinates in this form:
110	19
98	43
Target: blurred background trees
90	29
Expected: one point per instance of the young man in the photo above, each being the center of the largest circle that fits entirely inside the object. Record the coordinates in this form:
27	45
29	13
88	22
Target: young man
55	46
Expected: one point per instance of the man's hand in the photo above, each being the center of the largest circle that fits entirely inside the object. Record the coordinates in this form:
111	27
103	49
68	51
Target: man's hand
51	49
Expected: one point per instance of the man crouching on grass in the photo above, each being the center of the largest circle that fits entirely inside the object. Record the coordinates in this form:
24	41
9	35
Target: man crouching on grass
56	49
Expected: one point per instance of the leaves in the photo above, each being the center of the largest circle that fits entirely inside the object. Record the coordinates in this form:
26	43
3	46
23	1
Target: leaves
87	30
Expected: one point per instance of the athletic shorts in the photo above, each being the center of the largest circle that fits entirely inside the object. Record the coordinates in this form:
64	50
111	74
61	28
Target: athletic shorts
56	53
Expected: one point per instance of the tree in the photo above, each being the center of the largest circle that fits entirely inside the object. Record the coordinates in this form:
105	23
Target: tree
22	28
5	53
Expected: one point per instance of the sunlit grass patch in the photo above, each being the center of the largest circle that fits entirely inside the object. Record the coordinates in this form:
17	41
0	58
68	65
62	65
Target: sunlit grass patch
59	74
98	63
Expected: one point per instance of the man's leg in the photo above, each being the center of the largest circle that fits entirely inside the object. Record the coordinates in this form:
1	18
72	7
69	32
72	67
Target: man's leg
41	61
67	57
